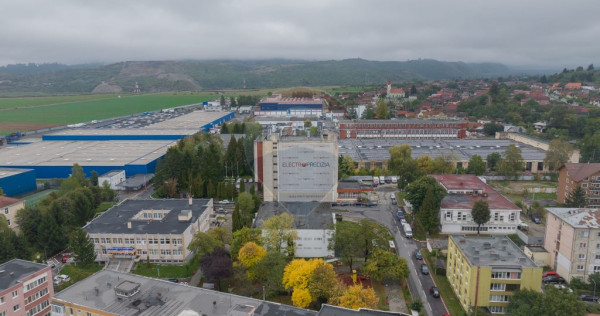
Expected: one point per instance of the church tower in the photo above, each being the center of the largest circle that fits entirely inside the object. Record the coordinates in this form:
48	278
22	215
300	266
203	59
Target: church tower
389	87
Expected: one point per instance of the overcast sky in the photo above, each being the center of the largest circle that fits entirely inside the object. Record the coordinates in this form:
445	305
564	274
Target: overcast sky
515	32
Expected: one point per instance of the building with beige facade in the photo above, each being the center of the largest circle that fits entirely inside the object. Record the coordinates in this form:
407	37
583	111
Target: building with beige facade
157	230
486	271
586	175
297	168
9	207
573	241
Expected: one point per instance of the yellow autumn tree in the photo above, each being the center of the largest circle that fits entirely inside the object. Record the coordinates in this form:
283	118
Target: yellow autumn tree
309	279
301	298
356	297
249	255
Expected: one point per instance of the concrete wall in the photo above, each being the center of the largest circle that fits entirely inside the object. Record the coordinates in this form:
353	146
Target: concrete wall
18	184
112	180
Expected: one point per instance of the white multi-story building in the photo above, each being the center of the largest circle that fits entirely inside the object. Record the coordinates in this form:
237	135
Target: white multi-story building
462	193
157	230
297	168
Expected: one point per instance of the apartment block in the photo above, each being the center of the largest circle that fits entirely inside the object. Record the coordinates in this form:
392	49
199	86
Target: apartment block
486	271
586	175
573	241
25	288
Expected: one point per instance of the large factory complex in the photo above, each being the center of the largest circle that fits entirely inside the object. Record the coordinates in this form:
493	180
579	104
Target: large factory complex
133	144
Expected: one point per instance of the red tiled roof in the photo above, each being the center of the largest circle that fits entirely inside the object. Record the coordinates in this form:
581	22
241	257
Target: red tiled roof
7	201
468	182
573	85
580	171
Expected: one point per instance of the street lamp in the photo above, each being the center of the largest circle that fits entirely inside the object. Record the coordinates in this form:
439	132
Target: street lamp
594	288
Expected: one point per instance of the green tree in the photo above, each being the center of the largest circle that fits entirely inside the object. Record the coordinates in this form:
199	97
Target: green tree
476	165
443	164
590	148
490	129
345	167
29	219
82	247
344	242
368	114
416	191
590	67
49	235
428	214
94	178
402	164
279	230
216	266
557	154
237	222
382	111
552	302
492	160
203	244
481	213
307	123
512	162
270	272
576	198
1	192
386	265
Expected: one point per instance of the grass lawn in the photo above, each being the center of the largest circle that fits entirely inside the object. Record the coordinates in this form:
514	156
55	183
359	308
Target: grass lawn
78	110
77	273
379	289
164	271
542	196
443	285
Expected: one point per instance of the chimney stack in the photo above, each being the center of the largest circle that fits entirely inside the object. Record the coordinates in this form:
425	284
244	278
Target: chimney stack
129	224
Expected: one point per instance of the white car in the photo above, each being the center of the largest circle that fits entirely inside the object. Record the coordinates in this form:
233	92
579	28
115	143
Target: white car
224	202
57	280
403	221
64	277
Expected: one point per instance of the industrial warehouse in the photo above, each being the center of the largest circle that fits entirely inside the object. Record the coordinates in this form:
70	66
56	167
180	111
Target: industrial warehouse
374	153
110	146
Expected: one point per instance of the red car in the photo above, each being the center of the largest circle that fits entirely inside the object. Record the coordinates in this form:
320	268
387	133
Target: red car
549	273
64	258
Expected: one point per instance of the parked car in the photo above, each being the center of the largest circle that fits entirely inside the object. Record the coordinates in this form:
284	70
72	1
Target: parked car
221	211
403	221
57	280
536	219
394	202
588	298
418	255
174	280
371	204
345	203
399	215
224	202
65	257
549	273
424	269
553	279
358	203
434	291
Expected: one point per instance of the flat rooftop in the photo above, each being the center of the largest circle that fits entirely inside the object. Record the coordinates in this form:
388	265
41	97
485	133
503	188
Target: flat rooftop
405	120
470	183
277	98
494	251
123	131
85	153
578	217
462	149
194	120
9	172
161	297
115	219
19	269
307	215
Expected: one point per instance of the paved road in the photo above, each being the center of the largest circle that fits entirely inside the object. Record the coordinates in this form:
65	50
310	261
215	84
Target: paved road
418	283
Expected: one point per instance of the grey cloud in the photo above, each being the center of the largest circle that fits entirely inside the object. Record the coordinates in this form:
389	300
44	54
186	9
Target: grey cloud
532	32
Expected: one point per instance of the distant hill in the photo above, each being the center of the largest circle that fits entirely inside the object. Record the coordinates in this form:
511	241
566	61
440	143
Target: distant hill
576	75
159	76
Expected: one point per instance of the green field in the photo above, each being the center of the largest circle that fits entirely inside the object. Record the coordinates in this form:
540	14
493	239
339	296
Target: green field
75	109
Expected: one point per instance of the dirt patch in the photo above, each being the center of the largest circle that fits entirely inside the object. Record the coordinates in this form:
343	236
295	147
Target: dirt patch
24	127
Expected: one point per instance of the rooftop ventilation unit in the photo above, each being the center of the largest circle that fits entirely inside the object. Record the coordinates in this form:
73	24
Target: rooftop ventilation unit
487	245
